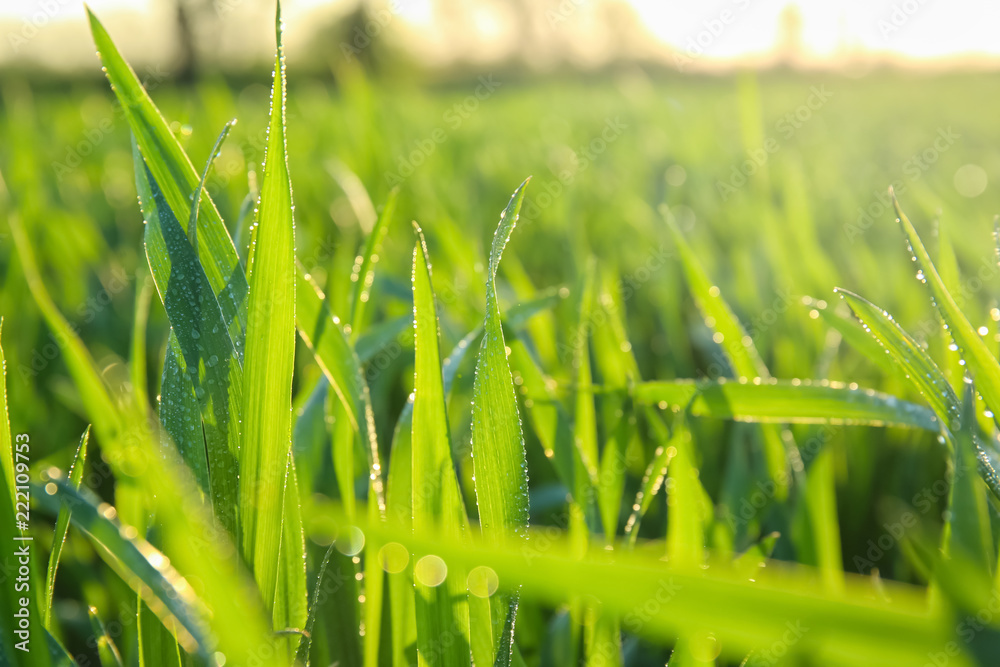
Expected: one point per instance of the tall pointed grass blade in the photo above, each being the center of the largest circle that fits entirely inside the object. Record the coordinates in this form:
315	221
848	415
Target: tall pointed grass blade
62	527
436	497
364	274
497	443
270	353
980	359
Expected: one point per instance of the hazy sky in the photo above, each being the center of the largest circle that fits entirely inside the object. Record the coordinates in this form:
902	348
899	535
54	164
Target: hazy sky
712	29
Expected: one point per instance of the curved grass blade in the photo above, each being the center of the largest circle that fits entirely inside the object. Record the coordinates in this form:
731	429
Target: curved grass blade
909	357
270	354
787	401
323	334
916	366
364	271
653	478
62	527
853	333
172	169
144	568
192	226
739	349
980	360
107	652
497	443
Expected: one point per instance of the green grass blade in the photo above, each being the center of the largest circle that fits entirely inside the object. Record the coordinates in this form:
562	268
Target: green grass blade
821	505
977	355
853	332
180	415
687	512
915	366
107	652
62	527
172	169
617	368
137	365
192	226
787	401
144	568
291	595
967	531
852	628
17	645
208	356
270	353
584	413
497	443
436	497
553	427
737	345
947	267
323	334
653	478
157	647
364	273
191	536
911	360
93	392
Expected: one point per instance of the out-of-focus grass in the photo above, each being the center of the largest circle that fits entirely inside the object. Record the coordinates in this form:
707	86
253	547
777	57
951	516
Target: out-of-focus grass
627	307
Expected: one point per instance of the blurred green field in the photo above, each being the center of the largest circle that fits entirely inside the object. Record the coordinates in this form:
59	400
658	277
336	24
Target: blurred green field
776	179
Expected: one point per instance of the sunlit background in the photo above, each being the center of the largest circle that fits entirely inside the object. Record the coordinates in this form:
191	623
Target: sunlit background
538	33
